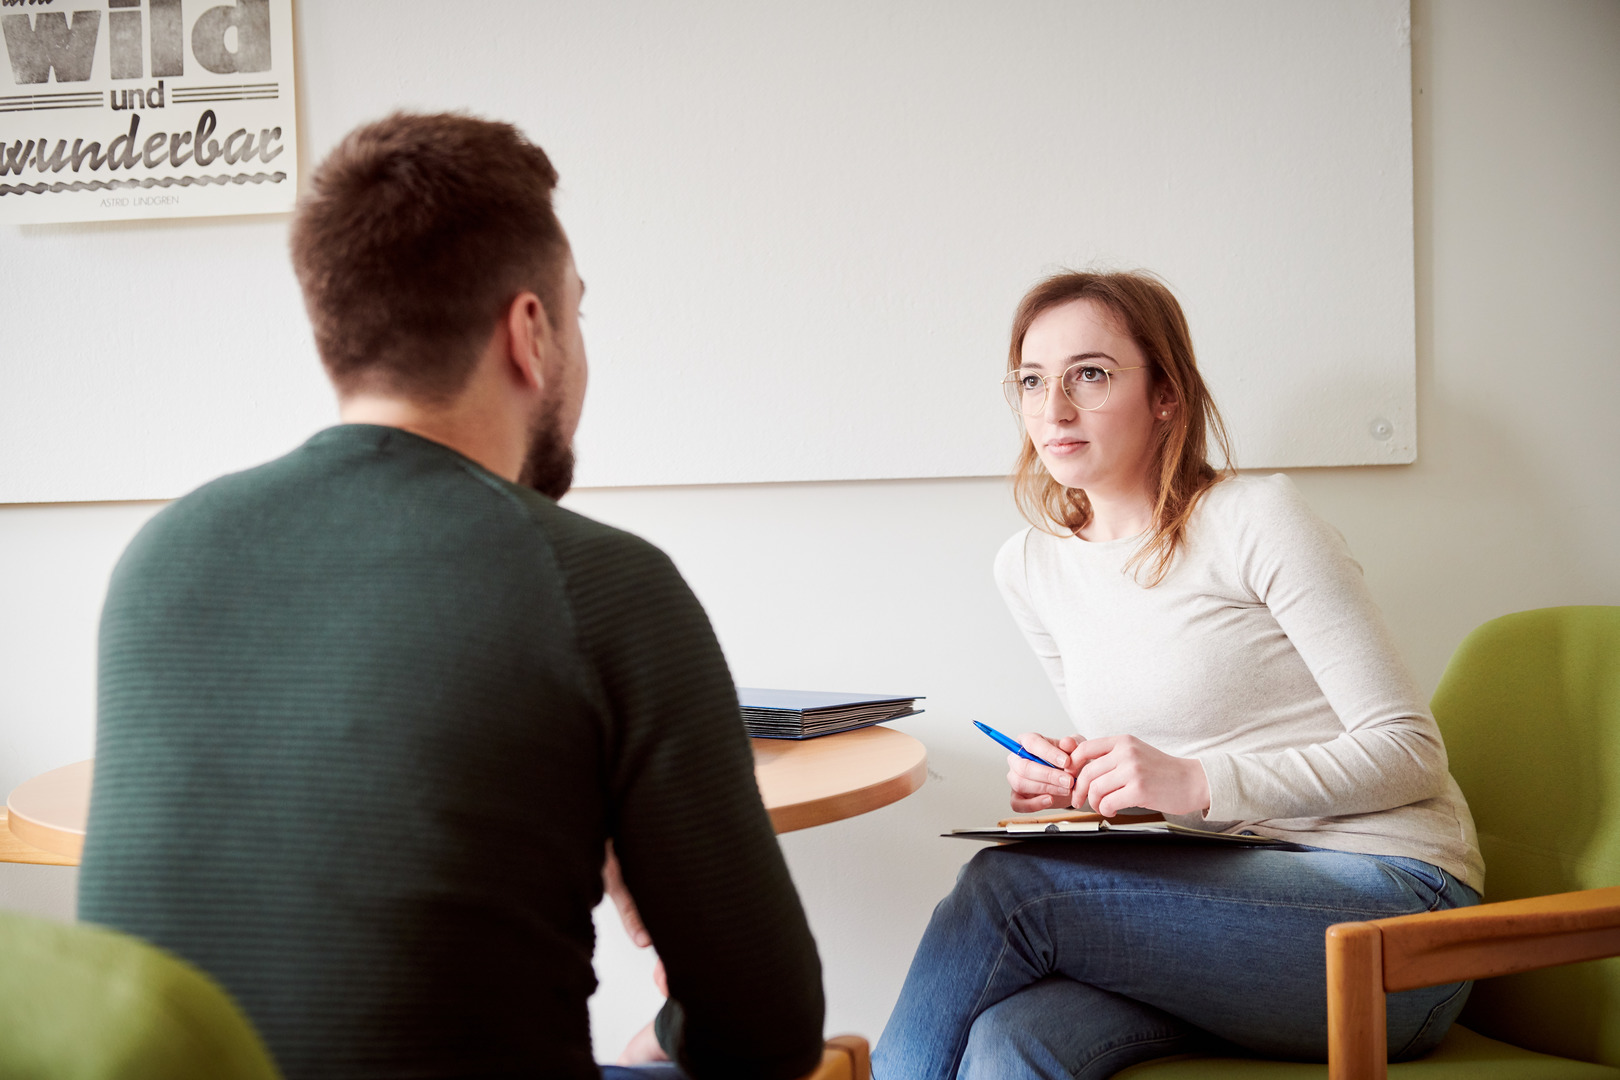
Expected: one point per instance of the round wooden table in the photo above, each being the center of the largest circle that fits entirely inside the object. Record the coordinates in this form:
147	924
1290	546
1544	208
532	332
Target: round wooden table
803	783
807	782
46	816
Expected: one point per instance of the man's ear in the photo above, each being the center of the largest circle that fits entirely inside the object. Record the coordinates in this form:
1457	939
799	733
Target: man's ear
529	339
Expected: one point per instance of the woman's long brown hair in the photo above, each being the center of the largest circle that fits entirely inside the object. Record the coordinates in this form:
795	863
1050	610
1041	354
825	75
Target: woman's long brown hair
1147	311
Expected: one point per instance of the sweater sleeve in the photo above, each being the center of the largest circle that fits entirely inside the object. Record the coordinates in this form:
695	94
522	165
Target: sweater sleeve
1390	752
693	839
1012	578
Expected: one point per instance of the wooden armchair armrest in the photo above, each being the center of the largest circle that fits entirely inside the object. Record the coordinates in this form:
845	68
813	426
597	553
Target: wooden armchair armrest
1365	960
1499	939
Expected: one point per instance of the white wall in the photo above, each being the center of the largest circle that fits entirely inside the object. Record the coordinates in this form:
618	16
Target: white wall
793	201
1514	502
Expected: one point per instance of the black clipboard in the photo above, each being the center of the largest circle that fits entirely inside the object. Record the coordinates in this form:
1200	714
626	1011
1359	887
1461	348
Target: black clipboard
1154	832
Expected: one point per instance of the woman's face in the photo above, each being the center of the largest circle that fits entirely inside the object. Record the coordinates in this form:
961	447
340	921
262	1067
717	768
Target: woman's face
1108	450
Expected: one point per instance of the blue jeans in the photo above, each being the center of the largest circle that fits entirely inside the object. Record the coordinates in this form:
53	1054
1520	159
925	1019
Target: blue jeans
642	1072
1074	961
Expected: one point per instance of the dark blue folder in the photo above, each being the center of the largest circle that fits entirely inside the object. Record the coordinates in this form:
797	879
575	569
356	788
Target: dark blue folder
804	714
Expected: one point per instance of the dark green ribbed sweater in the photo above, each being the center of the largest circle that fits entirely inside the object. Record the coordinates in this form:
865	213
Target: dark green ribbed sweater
368	714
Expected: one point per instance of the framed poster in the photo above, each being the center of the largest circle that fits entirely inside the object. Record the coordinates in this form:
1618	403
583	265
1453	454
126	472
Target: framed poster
146	109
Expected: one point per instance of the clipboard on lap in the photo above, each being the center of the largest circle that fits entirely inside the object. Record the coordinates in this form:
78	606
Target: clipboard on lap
1083	827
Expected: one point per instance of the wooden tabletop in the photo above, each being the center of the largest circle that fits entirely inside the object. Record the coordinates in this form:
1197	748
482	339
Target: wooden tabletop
803	783
46	816
809	782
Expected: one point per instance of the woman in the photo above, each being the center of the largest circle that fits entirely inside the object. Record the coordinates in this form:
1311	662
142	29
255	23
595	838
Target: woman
1224	664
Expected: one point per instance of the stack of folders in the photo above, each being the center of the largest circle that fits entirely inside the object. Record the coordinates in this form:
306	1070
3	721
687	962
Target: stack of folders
804	714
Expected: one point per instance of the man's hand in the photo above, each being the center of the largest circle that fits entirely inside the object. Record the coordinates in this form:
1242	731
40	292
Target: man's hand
1037	787
613	885
642	1049
1121	771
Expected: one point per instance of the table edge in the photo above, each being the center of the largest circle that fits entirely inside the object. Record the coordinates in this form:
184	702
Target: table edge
837	807
19	850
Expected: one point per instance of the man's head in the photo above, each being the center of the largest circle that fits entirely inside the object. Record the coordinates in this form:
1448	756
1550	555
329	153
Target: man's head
420	245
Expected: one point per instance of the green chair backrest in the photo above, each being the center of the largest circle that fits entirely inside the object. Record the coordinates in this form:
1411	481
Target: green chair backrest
1530	710
86	1003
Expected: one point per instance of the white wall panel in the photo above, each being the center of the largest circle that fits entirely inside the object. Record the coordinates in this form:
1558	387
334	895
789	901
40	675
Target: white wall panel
804	227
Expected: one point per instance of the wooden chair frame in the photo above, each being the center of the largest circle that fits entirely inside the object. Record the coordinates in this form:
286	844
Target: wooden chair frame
1366	960
844	1057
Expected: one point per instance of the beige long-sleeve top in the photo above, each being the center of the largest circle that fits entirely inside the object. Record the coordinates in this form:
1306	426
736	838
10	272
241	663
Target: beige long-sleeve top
1262	655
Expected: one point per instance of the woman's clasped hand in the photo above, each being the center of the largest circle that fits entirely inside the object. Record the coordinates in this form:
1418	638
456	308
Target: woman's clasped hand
1108	775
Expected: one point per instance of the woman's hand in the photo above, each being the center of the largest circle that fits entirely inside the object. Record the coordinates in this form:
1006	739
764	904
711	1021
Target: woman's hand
1036	787
1121	771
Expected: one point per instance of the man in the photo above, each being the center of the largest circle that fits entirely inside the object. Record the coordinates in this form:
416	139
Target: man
370	713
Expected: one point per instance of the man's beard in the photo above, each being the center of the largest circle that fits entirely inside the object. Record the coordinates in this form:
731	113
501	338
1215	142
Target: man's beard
548	467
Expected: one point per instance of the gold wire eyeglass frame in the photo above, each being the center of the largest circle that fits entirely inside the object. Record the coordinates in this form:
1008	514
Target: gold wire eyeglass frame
1014	394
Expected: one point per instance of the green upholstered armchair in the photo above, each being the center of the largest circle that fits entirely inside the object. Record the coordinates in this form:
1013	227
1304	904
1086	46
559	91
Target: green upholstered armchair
1530	709
85	1003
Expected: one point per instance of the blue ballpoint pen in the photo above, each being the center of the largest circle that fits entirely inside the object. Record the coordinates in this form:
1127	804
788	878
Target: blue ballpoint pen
1012	744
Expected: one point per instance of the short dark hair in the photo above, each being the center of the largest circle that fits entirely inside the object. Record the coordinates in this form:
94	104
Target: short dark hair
415	234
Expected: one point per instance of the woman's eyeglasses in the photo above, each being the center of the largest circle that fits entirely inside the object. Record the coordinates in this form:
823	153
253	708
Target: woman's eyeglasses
1085	384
